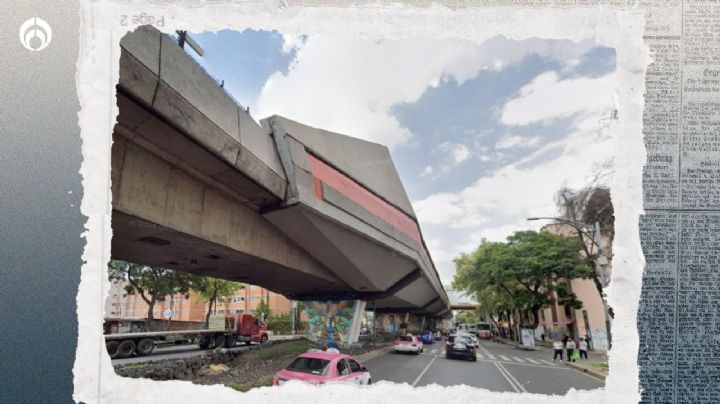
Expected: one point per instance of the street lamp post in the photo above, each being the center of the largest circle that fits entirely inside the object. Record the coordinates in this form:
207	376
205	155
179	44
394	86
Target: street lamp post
600	260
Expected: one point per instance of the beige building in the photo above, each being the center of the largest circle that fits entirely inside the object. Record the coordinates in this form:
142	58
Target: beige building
558	320
121	305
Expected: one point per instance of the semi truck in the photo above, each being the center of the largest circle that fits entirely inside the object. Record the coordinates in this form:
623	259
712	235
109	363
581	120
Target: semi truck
222	332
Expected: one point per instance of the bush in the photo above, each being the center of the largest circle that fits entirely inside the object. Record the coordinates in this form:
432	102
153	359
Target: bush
282	324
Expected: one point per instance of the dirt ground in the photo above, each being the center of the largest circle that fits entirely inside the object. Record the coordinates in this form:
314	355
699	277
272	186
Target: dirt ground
257	368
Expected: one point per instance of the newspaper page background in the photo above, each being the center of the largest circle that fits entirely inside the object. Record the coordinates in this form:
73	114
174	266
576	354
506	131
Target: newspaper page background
678	319
679	332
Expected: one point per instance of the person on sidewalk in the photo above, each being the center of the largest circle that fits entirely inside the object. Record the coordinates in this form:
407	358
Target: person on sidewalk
570	349
583	346
558	346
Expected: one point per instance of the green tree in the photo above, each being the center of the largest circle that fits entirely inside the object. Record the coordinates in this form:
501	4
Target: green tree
522	274
210	290
152	284
468	316
262	310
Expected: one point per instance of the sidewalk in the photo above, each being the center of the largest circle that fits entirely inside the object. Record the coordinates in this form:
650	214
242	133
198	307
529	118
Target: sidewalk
595	365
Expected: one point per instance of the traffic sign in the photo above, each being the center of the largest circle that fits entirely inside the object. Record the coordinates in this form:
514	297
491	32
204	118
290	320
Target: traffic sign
168	313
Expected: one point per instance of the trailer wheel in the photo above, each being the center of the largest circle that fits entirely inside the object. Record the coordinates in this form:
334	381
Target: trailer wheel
248	342
112	348
203	342
219	341
145	347
126	348
264	339
230	341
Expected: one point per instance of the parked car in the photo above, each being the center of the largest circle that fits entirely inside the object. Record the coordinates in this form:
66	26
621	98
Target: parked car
460	347
427	338
322	367
408	343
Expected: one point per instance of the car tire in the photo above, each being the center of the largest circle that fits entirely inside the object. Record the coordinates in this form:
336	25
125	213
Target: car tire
112	348
369	382
474	358
264	339
422	349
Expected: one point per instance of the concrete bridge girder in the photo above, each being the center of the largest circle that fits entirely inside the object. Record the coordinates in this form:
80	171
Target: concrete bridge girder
199	186
157	202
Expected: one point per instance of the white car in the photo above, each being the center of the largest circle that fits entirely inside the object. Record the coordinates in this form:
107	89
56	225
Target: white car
408	343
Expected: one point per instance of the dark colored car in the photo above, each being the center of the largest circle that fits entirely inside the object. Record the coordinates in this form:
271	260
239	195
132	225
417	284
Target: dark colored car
427	338
460	347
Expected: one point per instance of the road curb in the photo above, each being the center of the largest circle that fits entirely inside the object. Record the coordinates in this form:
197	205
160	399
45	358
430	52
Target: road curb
592	372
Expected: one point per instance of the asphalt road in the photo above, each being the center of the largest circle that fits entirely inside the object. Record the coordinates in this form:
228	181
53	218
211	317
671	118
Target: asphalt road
181	351
499	368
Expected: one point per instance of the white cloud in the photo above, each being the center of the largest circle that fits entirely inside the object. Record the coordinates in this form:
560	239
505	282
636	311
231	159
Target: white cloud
457	151
547	98
350	85
439	208
509	142
291	42
498	204
427	171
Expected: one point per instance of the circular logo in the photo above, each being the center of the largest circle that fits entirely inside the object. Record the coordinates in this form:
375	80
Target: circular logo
35	34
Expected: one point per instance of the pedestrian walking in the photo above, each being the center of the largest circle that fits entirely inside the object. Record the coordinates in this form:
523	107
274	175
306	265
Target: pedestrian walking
583	346
570	349
558	346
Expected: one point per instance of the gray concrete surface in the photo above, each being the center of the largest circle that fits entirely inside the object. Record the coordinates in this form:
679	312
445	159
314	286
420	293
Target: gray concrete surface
499	368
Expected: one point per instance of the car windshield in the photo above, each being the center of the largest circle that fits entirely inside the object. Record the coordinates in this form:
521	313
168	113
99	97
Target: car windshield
313	366
461	340
484	327
406	338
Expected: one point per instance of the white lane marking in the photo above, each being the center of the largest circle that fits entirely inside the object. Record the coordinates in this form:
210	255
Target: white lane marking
510	378
518	359
505	358
547	362
434	351
424	370
532	361
525	364
505	375
479	355
486	352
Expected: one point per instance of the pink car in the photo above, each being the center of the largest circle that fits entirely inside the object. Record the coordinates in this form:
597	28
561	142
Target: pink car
320	367
408	343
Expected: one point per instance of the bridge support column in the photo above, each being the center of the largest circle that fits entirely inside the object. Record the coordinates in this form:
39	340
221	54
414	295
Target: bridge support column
335	323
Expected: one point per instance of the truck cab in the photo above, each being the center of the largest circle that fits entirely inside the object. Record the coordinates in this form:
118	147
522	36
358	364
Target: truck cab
249	326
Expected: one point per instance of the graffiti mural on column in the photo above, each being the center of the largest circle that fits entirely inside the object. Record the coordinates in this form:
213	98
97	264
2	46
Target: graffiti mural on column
330	322
392	324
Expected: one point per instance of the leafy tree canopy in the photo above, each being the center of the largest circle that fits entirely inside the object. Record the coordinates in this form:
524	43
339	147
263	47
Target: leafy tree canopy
523	272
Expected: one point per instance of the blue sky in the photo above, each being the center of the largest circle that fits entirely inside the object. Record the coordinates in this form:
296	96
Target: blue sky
481	134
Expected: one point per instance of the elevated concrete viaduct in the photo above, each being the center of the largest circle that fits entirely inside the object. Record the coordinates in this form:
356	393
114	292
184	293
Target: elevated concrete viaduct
199	186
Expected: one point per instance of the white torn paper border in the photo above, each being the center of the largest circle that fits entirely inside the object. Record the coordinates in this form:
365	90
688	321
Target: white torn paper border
103	23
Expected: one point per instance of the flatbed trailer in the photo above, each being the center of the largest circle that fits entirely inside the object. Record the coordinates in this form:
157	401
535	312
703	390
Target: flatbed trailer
242	328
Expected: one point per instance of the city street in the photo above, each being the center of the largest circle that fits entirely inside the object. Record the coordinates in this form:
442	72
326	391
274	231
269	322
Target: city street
499	368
